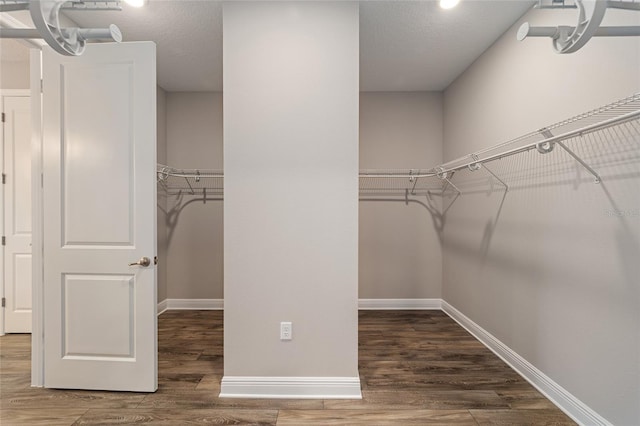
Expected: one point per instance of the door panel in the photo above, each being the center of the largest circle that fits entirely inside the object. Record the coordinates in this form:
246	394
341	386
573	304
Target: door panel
17	226
99	154
108	219
104	299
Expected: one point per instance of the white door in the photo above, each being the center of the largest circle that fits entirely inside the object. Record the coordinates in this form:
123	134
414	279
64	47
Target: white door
17	213
99	203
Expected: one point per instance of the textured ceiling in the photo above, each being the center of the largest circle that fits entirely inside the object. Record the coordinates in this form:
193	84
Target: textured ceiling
420	46
188	35
405	45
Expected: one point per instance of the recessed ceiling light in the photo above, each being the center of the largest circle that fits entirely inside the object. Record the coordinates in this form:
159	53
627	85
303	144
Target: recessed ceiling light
136	3
448	4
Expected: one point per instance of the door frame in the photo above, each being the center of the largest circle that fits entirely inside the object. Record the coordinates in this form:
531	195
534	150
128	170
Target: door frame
35	73
5	93
37	243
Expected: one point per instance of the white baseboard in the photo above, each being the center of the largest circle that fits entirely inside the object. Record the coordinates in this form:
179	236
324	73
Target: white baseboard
363	304
291	387
191	305
568	403
399	304
162	306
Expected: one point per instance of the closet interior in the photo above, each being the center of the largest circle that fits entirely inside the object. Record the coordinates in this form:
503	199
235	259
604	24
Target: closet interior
501	193
604	127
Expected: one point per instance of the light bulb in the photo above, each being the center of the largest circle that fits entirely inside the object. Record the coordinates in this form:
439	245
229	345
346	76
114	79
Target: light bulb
136	3
448	4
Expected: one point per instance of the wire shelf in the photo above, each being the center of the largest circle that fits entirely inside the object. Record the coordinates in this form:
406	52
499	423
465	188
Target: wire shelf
190	181
397	182
609	115
602	138
372	182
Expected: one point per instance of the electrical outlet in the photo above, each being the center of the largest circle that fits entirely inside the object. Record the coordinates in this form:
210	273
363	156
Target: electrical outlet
286	331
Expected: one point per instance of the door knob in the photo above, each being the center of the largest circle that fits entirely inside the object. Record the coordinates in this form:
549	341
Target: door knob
144	261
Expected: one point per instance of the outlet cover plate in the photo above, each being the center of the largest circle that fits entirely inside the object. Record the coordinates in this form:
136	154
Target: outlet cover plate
286	330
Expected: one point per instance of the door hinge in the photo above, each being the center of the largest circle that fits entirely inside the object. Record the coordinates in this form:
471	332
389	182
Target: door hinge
4	302
4	240
3	117
4	178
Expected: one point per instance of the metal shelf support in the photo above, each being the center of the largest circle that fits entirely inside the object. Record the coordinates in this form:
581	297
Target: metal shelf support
581	161
547	147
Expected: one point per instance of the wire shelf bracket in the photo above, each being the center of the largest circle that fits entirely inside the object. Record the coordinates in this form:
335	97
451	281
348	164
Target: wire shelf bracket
478	165
547	147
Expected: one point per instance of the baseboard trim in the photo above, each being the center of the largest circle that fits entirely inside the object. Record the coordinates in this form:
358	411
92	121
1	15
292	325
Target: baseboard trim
363	304
564	400
399	304
162	306
194	304
291	387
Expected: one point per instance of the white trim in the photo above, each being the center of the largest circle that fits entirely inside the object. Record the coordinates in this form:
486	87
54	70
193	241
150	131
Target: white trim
194	304
4	93
2	209
568	403
291	387
399	304
15	92
363	304
162	306
37	244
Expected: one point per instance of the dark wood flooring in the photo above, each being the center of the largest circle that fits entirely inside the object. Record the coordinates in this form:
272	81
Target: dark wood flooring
416	367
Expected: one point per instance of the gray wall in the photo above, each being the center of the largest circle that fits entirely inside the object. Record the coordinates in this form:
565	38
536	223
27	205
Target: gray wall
291	188
400	254
549	271
161	134
399	249
14	65
396	130
195	252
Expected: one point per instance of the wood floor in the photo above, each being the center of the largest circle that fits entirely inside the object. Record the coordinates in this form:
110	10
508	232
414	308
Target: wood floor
416	367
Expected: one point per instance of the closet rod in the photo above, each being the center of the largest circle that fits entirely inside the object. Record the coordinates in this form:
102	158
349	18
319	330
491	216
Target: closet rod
379	175
443	169
395	175
196	175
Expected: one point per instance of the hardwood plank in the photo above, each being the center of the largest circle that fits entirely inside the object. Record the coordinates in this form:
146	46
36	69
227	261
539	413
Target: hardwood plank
374	417
414	366
521	417
179	417
191	367
15	341
13	366
447	382
411	400
39	416
173	382
529	399
211	383
38	398
170	355
205	399
14	381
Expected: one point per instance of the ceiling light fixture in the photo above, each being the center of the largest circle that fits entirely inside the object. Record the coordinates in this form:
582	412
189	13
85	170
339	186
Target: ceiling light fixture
448	4
136	3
